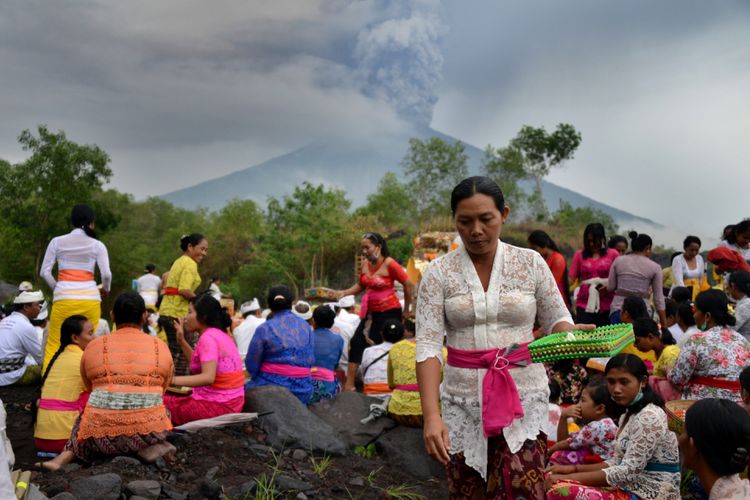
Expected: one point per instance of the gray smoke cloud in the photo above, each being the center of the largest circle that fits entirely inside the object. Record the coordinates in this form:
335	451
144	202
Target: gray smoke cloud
400	59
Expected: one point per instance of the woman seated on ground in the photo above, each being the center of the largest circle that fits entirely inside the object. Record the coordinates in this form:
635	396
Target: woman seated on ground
715	443
649	337
127	373
710	362
282	350
646	459
374	367
405	405
328	349
217	378
63	395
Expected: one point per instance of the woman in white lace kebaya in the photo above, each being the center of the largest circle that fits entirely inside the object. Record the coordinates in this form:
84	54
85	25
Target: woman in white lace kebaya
715	443
485	296
645	464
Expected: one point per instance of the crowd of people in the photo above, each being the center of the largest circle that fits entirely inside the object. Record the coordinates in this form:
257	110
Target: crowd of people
454	362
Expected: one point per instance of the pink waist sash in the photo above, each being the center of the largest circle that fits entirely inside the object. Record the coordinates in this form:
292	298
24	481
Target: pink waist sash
408	387
290	371
61	405
324	374
500	401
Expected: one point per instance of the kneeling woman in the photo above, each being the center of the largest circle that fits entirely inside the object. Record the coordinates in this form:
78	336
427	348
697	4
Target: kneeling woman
646	459
217	378
63	395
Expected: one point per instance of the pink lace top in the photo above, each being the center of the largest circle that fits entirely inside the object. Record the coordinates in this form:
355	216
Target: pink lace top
215	345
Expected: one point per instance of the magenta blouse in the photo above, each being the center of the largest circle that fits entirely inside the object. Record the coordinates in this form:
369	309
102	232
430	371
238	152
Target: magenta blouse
584	269
215	345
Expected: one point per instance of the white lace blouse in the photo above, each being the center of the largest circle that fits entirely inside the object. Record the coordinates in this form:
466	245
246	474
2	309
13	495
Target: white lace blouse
452	302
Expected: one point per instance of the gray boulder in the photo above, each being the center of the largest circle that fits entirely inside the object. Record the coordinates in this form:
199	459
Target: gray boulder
144	488
344	413
290	424
404	446
102	487
64	496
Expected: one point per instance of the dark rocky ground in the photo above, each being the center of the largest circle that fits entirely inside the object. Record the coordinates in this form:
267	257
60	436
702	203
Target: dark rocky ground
238	461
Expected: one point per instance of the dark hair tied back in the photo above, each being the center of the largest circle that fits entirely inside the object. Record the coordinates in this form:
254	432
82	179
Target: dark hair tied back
82	216
209	312
639	242
635	366
715	303
477	185
378	240
280	298
192	239
741	281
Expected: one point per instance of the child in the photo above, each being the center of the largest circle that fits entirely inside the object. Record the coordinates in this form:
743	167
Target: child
649	337
596	440
554	413
646	460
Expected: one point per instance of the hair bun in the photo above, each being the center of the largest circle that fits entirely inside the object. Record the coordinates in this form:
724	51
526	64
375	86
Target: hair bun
633	235
740	457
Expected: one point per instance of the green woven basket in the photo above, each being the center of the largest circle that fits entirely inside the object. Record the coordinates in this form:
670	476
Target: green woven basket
603	342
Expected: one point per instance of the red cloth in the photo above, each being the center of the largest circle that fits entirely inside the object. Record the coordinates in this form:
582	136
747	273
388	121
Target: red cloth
500	401
50	445
184	409
324	374
726	259
408	387
380	293
719	383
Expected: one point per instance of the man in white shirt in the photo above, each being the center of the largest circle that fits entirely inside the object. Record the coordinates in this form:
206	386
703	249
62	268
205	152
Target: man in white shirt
243	334
149	285
344	326
19	339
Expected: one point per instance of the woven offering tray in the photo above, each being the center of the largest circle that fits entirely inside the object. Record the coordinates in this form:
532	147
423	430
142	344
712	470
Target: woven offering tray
603	342
676	413
321	293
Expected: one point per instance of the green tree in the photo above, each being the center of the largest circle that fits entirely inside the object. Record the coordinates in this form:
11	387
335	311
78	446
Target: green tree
433	168
391	204
505	166
570	222
538	152
37	194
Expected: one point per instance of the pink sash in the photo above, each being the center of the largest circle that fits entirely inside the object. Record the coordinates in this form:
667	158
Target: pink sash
408	387
500	401
61	405
324	374
290	371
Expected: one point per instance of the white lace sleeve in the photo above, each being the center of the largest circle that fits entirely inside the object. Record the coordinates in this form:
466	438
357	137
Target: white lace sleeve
430	317
550	307
645	433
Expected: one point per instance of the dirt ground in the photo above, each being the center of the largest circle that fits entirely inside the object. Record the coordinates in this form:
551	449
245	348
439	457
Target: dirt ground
240	456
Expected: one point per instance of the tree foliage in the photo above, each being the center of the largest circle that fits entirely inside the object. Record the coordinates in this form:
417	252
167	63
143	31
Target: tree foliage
391	205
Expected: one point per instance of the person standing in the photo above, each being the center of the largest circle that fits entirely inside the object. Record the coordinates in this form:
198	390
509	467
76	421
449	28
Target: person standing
77	254
590	267
182	282
483	300
148	286
541	242
738	239
19	342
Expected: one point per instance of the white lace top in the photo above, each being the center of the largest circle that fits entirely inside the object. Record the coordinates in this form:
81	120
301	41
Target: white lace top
645	438
452	302
730	488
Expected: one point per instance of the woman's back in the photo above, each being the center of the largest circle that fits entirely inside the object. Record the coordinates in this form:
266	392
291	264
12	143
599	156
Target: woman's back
61	398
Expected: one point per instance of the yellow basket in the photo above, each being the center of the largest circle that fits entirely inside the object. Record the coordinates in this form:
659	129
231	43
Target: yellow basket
676	413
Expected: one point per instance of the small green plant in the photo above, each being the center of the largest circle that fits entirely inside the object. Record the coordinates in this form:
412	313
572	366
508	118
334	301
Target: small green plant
321	466
368	451
403	492
264	487
371	477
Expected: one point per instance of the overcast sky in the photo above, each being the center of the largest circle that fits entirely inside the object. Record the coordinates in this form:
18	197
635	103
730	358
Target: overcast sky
178	92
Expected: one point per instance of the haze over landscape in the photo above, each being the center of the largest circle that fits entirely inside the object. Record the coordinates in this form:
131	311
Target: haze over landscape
179	93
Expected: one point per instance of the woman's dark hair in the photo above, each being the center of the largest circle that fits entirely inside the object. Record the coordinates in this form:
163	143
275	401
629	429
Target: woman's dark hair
720	430
643	326
541	239
715	303
741	281
280	297
599	392
150	268
128	308
409	326
73	325
685	313
637	368
670	307
477	185
378	240
681	294
82	216
639	242
192	239
596	231
393	331
208	311
554	391
737	229
727	232
614	240
324	316
636	307
690	240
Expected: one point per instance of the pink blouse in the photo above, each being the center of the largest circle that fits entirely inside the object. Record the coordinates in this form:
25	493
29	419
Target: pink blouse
584	269
215	345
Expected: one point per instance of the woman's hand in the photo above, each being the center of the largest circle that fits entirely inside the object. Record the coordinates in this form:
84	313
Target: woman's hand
573	411
179	329
436	441
560	470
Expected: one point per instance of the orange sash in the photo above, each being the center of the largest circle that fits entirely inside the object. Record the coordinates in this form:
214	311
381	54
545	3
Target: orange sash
231	380
75	275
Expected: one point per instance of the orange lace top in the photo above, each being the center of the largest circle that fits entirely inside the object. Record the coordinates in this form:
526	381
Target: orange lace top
127	373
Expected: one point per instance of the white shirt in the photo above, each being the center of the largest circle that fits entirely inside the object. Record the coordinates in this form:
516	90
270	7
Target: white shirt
148	287
7	459
102	328
243	334
676	332
742	315
344	328
686	335
18	338
681	271
452	302
76	251
745	252
215	291
730	488
375	372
